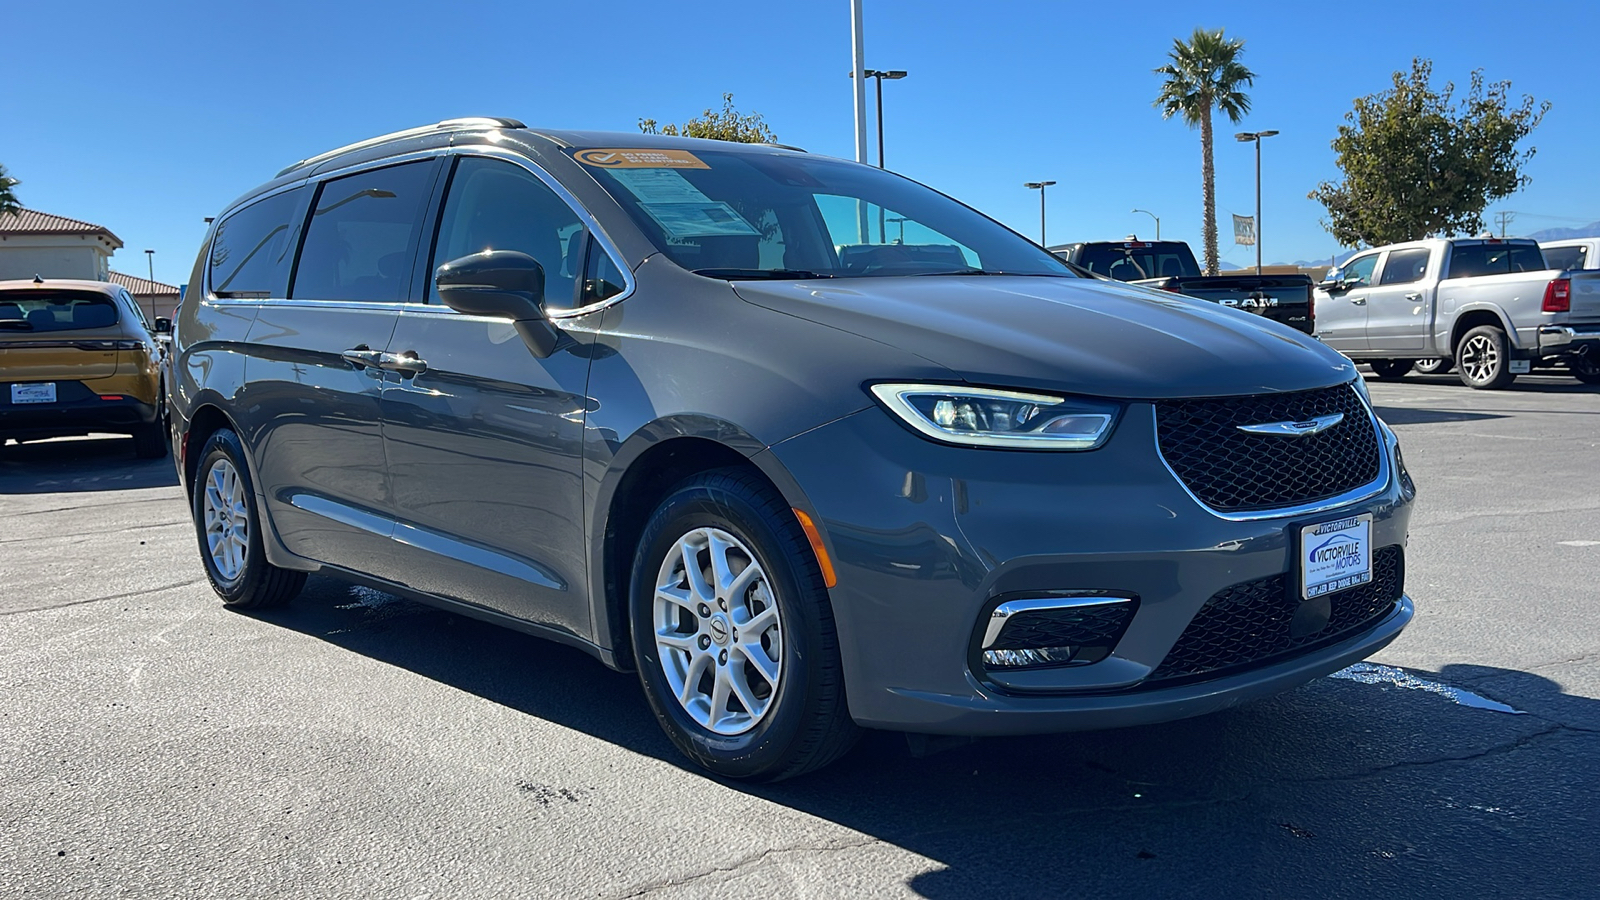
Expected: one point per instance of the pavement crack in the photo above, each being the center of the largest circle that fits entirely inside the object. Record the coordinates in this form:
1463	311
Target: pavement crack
748	862
79	534
124	596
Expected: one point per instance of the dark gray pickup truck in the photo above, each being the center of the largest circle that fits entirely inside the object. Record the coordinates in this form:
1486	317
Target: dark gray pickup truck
1171	266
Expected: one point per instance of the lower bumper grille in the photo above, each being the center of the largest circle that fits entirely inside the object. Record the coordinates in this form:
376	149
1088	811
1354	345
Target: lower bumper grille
1253	622
1049	632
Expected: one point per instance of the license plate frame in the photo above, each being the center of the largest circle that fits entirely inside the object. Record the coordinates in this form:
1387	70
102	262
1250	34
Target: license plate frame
1334	556
33	392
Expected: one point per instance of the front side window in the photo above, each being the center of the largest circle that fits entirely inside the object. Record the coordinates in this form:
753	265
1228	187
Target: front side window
38	311
252	248
495	205
1359	270
360	241
753	214
1405	266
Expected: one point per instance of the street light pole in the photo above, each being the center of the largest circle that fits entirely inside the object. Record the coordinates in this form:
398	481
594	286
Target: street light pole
150	257
1256	136
1039	186
880	75
1153	216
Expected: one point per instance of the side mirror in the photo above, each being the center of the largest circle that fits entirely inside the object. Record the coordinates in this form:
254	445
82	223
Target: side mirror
163	325
502	284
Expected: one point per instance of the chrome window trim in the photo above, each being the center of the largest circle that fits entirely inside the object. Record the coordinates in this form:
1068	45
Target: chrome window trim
1002	614
1356	495
590	223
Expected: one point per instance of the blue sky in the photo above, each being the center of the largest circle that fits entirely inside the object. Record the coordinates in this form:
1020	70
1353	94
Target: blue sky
148	117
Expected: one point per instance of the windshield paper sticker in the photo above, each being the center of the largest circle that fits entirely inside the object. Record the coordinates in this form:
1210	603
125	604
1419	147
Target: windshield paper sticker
659	186
691	220
622	158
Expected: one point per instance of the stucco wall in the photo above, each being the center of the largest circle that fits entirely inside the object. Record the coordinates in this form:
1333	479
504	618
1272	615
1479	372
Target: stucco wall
53	256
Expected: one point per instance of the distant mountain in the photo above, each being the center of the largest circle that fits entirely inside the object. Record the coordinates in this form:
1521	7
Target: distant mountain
1560	234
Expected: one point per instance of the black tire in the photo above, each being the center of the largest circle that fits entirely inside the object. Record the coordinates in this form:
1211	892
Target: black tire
258	584
1390	369
1434	366
1483	359
150	441
807	723
1585	369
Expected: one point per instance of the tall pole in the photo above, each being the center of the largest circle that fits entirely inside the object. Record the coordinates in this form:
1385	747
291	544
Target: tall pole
1039	186
1258	204
150	257
1153	216
858	66
879	80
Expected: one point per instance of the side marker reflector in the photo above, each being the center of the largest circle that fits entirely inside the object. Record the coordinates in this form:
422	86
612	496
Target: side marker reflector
829	577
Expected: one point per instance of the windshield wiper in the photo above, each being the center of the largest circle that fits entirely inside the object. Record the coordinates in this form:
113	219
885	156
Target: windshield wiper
995	272
767	274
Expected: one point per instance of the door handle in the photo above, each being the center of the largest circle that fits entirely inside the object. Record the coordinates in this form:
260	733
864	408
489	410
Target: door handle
361	357
406	363
1414	297
1359	301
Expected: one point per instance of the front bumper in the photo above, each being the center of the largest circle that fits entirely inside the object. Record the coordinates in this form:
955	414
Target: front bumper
925	538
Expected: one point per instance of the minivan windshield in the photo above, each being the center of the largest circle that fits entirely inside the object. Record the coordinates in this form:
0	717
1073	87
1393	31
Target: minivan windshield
753	214
55	310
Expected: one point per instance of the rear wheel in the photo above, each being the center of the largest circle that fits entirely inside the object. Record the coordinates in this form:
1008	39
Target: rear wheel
1435	366
229	530
1390	369
150	441
1484	358
733	633
1585	369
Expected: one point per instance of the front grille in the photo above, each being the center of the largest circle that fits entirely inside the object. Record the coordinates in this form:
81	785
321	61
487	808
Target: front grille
1235	471
1250	623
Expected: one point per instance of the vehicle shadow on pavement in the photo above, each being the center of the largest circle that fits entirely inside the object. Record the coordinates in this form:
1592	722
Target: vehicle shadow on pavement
1537	383
1392	786
1407	415
80	464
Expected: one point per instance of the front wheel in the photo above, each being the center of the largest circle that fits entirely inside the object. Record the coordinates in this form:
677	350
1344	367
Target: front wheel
229	528
733	632
1435	366
1390	369
1484	358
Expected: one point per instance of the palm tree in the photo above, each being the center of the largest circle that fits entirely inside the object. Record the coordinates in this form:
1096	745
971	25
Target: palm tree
1205	73
8	198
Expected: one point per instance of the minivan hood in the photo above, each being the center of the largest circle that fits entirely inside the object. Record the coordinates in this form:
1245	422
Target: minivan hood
1076	335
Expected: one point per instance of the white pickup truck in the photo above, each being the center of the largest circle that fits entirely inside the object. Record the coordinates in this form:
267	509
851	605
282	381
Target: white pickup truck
1492	307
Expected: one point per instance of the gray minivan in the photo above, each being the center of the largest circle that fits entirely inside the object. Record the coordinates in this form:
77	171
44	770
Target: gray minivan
808	445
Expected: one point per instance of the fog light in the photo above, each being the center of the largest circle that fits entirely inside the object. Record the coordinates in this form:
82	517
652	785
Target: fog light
1041	656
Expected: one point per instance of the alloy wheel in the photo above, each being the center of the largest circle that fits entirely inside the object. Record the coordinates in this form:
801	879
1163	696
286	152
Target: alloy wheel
1480	358
718	634
227	519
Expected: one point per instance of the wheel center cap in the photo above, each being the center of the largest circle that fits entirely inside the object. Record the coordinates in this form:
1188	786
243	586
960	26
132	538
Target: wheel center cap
718	626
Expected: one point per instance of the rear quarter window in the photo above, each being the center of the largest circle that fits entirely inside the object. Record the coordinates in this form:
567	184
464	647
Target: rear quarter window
1566	257
253	247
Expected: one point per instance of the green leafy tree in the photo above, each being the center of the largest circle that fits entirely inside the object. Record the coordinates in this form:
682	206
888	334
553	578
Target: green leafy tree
1417	164
726	124
9	205
1203	74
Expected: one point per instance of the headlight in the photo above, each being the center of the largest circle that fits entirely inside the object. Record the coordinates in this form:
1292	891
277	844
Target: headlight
982	417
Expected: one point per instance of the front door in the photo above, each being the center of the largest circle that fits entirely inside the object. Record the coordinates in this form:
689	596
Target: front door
1397	307
314	385
484	439
1342	316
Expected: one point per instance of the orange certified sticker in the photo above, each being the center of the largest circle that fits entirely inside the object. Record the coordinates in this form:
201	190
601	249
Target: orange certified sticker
622	158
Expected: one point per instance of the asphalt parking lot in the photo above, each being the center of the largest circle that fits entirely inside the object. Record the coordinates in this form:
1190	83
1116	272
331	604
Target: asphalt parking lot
355	744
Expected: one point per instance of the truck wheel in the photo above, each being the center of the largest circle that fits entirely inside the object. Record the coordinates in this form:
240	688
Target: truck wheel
1484	358
1585	369
1435	366
734	634
1390	369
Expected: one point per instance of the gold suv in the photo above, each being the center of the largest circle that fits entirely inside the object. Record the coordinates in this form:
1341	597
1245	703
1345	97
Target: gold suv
78	357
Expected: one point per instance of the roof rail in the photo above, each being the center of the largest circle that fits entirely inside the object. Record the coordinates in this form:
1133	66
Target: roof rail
780	146
458	123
